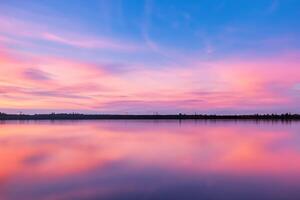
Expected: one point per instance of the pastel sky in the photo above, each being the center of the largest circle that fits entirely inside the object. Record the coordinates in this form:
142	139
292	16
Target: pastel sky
146	56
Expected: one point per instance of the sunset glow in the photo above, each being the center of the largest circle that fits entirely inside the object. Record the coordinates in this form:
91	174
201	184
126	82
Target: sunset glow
149	56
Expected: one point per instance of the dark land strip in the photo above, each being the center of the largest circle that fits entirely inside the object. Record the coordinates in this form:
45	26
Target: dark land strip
77	116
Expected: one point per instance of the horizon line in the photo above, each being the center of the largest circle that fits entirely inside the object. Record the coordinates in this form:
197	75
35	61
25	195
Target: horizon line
179	116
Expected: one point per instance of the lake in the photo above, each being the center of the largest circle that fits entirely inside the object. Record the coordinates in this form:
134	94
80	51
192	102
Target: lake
141	160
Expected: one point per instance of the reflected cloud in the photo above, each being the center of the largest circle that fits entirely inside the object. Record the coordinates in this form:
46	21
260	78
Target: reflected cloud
110	159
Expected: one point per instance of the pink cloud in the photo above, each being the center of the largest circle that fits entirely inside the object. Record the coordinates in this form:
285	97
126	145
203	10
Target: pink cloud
214	149
95	43
61	83
49	82
18	31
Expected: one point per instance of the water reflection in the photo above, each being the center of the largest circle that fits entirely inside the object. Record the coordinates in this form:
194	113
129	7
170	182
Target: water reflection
149	160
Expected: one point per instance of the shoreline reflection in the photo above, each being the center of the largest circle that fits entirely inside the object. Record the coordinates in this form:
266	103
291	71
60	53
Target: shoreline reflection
149	160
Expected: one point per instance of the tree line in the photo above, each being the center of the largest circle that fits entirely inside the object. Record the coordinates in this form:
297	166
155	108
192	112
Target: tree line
180	116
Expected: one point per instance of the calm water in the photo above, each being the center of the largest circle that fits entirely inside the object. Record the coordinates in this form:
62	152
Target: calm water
149	160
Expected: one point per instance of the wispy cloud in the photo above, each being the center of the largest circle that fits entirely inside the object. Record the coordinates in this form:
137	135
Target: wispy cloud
19	30
225	84
36	74
96	43
69	66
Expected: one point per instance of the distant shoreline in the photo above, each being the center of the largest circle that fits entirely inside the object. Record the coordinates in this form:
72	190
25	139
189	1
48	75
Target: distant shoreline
76	116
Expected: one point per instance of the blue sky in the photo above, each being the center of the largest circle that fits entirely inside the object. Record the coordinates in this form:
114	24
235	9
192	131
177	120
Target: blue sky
200	42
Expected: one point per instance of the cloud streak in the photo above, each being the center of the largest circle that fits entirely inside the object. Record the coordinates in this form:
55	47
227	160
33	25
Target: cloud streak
36	74
67	66
18	30
96	43
58	83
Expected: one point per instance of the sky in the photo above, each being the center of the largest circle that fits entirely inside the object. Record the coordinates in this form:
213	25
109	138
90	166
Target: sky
150	56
